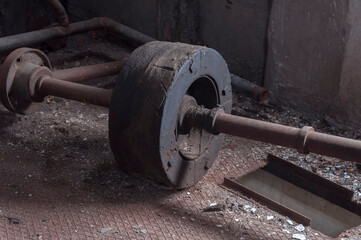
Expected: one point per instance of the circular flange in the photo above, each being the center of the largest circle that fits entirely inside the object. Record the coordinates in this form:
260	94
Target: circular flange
148	101
15	75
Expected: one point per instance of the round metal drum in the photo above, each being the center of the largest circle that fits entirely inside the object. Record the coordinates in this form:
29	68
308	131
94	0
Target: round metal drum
147	102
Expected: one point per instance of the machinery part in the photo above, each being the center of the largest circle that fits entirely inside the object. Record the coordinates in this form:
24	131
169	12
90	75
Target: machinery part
14	83
250	89
26	78
305	140
60	12
170	104
100	23
80	74
47	86
144	130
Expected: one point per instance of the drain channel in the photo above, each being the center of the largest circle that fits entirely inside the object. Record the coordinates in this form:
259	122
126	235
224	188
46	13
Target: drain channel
327	205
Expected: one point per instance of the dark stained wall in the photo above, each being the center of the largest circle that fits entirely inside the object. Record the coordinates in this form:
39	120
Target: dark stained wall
238	30
17	16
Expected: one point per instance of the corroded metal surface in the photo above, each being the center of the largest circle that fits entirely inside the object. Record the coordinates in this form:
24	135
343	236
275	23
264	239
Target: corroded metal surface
100	23
84	73
15	79
143	118
60	12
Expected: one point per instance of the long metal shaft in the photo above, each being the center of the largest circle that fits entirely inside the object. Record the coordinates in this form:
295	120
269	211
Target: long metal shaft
80	74
54	87
99	23
305	140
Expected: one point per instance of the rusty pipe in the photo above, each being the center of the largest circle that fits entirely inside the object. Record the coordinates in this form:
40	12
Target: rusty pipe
84	73
99	23
305	140
250	89
49	86
60	12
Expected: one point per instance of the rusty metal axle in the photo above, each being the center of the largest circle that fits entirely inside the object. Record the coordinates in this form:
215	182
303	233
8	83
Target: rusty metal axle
30	81
84	73
305	140
48	86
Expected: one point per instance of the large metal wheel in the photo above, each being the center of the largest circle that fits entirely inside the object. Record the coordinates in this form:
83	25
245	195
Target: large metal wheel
147	103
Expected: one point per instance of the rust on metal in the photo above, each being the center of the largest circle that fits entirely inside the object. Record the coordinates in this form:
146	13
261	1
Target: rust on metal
60	12
93	95
26	78
237	187
250	89
304	140
260	94
99	23
84	73
15	75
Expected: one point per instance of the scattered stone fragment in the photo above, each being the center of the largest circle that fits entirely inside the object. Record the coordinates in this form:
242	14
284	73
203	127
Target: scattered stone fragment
12	220
300	228
143	231
270	217
215	208
299	236
234	206
105	230
219	225
289	222
137	226
253	210
212	204
286	231
102	116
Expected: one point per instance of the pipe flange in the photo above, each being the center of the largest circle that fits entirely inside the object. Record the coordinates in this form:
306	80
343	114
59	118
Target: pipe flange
15	77
302	139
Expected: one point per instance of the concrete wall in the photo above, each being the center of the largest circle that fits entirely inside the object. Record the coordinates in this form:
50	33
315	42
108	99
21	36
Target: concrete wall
347	105
138	14
314	55
17	16
306	46
238	30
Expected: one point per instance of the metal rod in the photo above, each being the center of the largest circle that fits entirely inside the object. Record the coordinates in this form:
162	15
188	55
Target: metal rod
305	140
99	23
250	89
60	12
85	73
51	86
